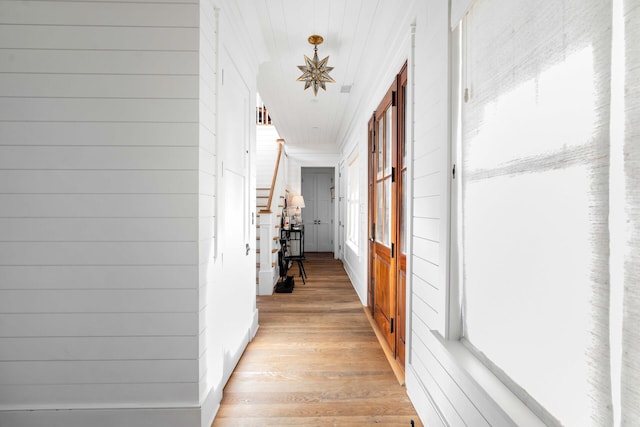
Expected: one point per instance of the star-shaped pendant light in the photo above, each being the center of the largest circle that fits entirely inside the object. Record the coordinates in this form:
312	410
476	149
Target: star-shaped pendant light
315	72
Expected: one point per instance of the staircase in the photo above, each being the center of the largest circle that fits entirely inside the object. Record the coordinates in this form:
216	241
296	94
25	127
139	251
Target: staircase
270	201
268	244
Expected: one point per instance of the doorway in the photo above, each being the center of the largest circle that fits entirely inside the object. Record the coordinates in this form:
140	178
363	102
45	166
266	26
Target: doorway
317	215
387	264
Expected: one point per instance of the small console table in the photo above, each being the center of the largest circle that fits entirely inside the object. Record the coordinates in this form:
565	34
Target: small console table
292	242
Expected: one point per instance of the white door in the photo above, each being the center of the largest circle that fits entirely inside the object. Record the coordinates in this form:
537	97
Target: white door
237	271
318	212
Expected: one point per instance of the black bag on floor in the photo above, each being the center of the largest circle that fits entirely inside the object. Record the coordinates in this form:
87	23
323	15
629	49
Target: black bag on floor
285	286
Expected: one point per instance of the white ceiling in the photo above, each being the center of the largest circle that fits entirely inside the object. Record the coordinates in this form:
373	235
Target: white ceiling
358	37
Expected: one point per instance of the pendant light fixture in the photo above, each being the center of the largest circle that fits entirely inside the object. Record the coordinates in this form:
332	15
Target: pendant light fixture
315	72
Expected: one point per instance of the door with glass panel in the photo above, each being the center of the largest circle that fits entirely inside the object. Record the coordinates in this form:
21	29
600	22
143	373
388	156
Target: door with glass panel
387	248
382	218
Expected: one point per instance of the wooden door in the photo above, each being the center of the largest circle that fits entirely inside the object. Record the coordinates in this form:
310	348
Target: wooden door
384	233
388	216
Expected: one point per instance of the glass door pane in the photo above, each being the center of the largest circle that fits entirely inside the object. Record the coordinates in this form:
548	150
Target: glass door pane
380	146
379	212
388	160
386	238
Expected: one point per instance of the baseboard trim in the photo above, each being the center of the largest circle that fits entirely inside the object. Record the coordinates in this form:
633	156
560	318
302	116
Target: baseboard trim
210	407
397	369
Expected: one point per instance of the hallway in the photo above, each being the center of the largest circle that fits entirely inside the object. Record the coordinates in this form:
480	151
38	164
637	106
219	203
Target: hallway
315	361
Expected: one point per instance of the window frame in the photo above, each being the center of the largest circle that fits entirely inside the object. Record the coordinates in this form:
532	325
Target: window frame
352	236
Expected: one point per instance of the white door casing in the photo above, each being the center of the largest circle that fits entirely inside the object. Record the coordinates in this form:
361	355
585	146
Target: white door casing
317	215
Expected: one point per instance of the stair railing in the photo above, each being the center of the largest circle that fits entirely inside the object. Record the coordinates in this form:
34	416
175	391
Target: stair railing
270	229
275	175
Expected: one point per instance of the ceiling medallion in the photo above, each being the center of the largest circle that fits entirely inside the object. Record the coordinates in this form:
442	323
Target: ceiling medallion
315	72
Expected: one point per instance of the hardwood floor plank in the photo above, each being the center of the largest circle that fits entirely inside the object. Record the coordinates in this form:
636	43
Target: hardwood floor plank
315	361
353	421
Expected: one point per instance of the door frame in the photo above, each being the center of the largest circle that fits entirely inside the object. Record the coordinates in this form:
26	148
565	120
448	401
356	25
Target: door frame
394	98
330	171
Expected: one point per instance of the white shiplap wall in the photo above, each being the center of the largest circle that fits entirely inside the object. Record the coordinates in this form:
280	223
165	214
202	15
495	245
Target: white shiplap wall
430	166
439	373
99	207
208	90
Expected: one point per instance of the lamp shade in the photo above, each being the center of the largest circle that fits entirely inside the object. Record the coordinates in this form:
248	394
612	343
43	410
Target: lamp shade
297	201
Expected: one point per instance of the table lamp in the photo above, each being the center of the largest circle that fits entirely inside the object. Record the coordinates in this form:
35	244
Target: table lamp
297	202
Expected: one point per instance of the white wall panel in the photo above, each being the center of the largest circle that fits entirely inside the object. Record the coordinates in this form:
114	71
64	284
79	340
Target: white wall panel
96	348
97	158
428	314
427	249
88	372
99	86
97	324
99	206
427	271
428	228
91	134
97	229
207	183
429	185
85	396
99	301
207	188
99	14
97	277
38	205
98	38
99	110
428	162
207	134
98	182
445	406
98	253
103	62
427	207
454	393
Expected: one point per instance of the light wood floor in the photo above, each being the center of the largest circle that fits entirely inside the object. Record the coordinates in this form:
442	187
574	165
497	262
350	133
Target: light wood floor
315	361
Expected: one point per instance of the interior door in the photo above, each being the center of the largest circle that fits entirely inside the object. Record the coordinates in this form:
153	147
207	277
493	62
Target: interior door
235	263
383	232
388	216
323	212
317	215
309	212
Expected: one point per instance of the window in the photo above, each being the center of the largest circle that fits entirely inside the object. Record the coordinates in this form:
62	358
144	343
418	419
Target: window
353	203
534	201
